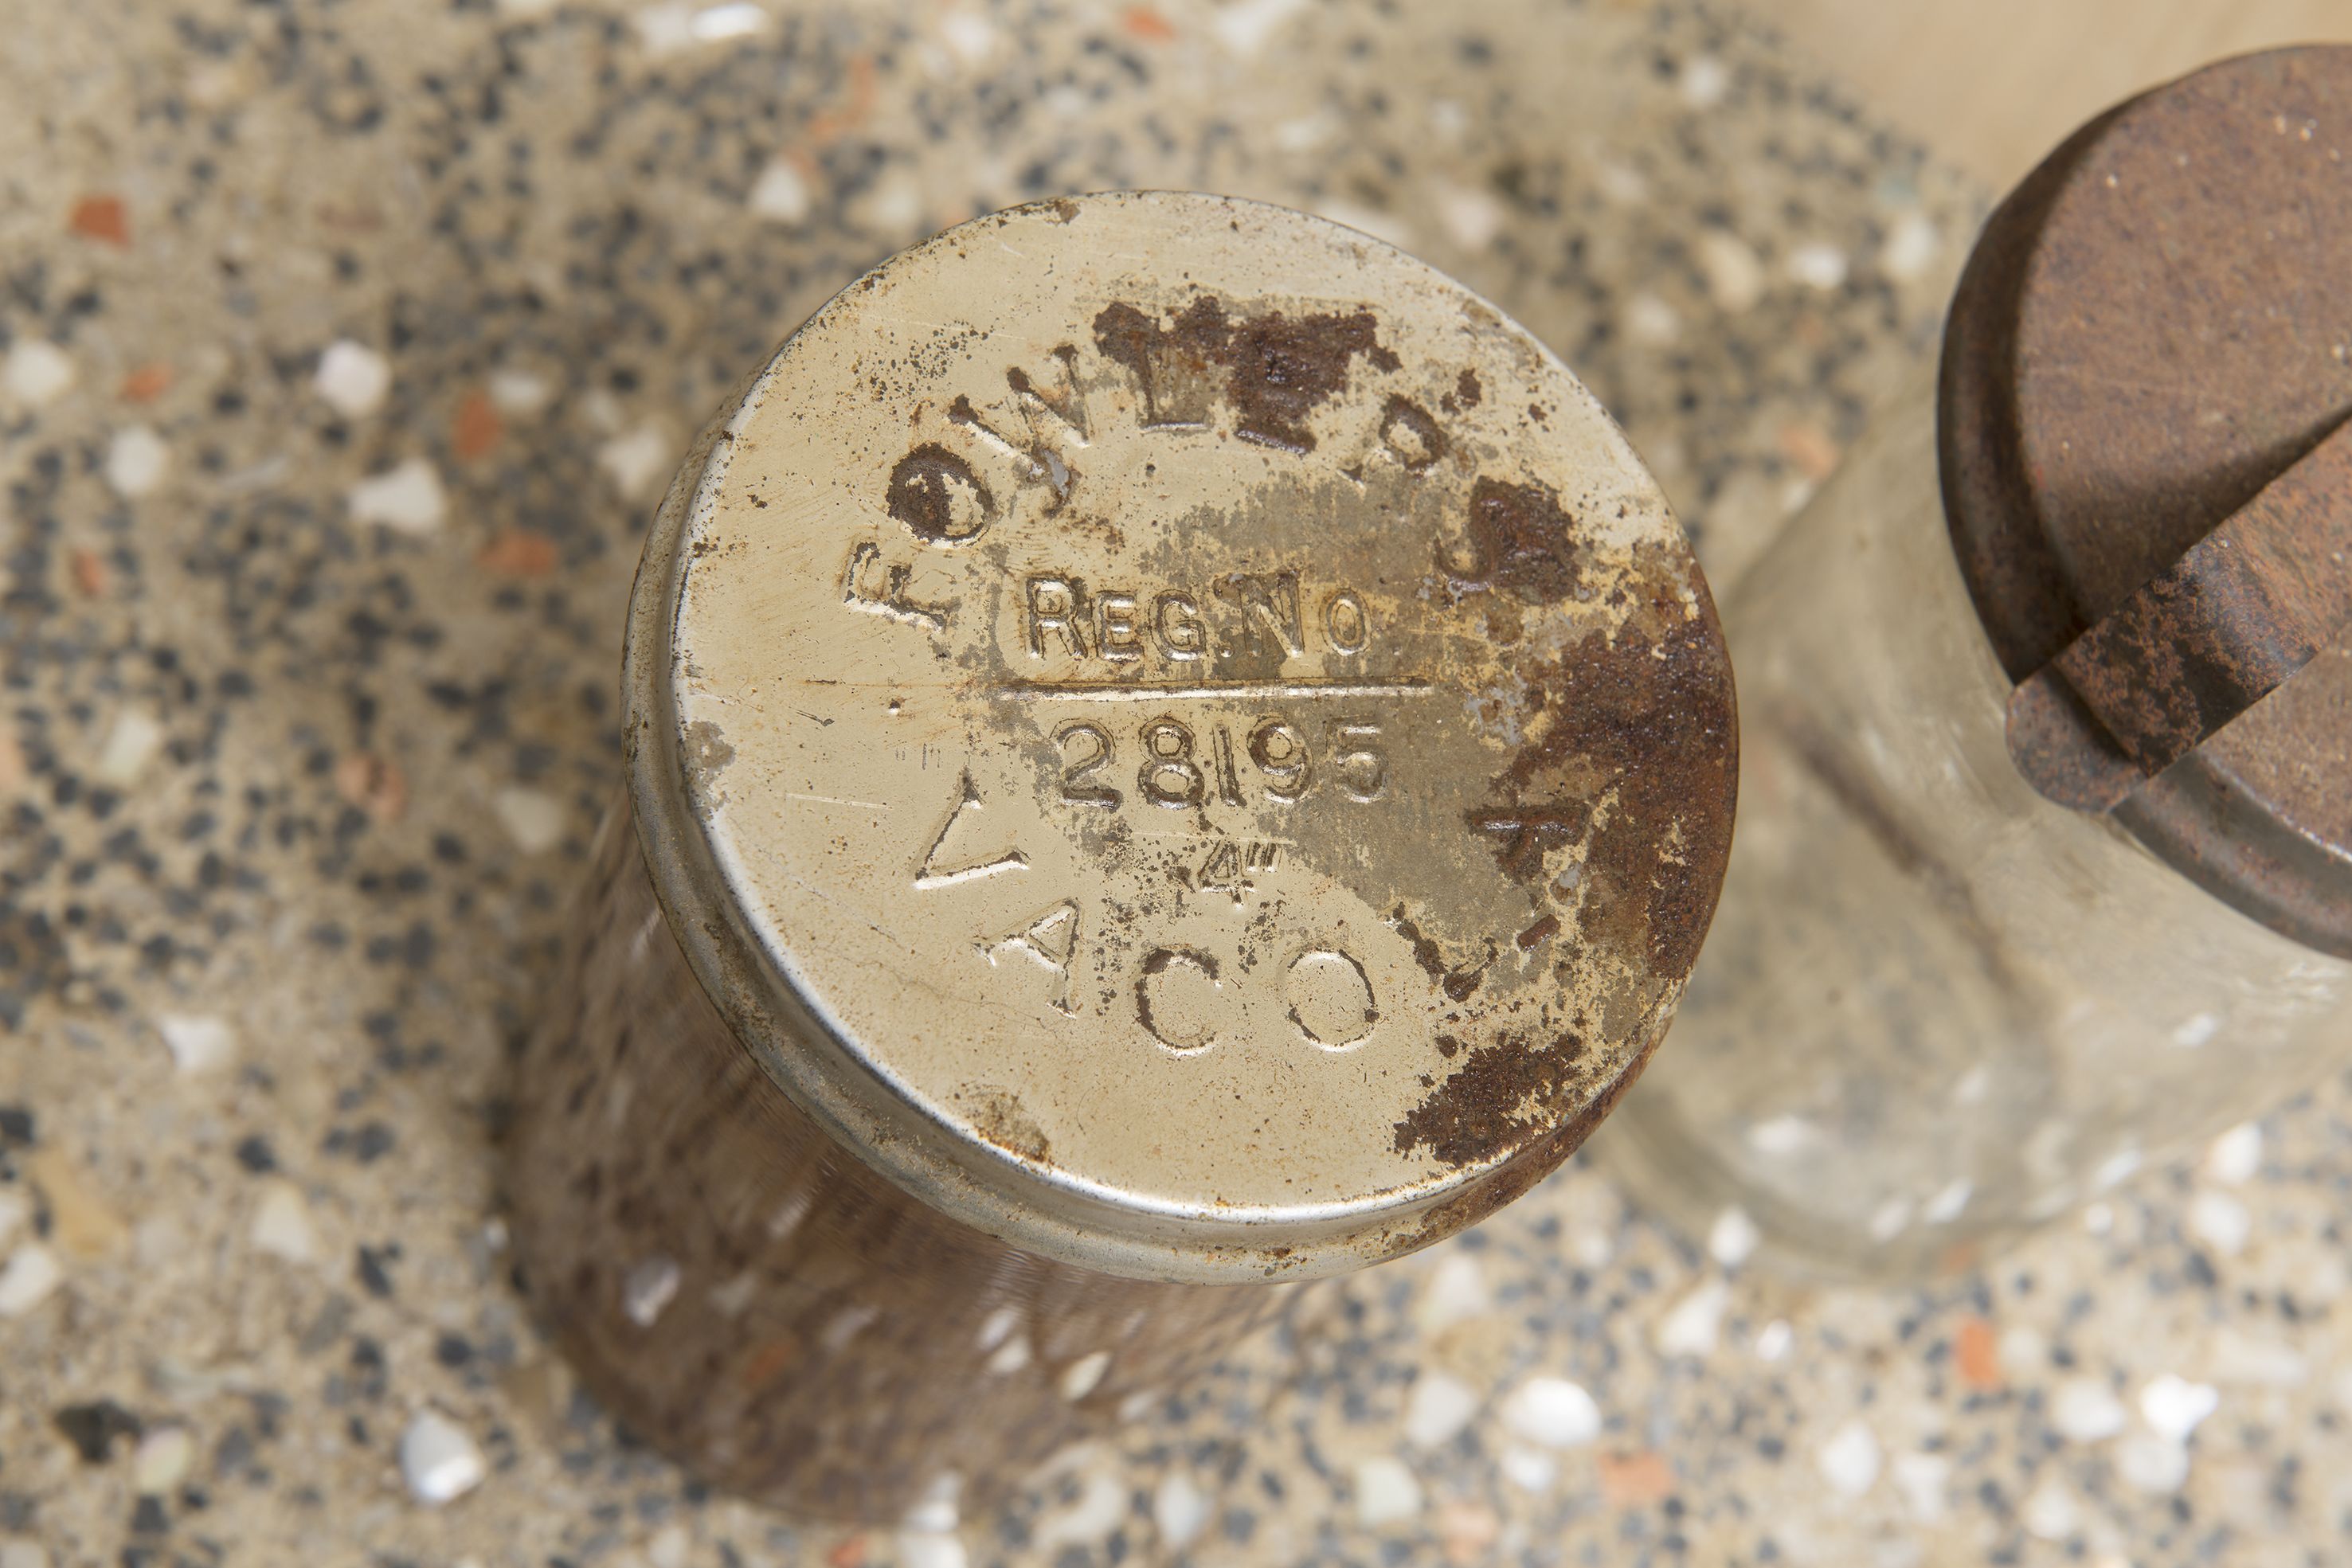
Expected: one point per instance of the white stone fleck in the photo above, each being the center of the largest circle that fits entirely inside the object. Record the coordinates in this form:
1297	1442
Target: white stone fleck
1089	1519
353	378
1911	246
997	1327
1246	26
31	1276
2173	1407
2051	1512
1890	1218
930	1549
2236	1155
438	1460
2116	1169
647	1289
2220	1221
1529	1469
2085	1410
135	461
524	10
162	1460
2238	1357
2149	1462
518	393
2022	1351
665	29
1731	1239
1777	1137
15	1208
1456	1293
1080	1377
1705	81
935	1513
1695	1322
535	821
1471	215
406	498
2099	1219
970	34
131	744
1772	1340
1849	1461
1948	1202
1178	1508
892	206
636	461
1552	1413
669	1547
2197	1032
1921	1479
37	371
1438	1409
1735	275
1386	1491
281	1223
713	24
781	195
1307	133
1650	320
197	1043
1818	265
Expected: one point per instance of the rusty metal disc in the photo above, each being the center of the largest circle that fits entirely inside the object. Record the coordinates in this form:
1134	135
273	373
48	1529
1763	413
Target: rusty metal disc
1184	736
2153	328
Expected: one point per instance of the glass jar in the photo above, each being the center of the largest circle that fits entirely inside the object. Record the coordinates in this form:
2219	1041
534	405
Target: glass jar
1936	1007
2044	862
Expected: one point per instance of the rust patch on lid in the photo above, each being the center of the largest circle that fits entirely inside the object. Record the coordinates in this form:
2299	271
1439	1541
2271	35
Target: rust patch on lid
1498	1096
1274	369
998	1116
1652	710
1521	539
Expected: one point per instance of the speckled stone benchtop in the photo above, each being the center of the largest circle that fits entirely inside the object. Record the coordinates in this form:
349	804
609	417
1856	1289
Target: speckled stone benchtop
343	350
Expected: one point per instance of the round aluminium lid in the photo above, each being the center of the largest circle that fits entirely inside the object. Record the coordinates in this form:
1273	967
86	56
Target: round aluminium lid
1186	737
2152	331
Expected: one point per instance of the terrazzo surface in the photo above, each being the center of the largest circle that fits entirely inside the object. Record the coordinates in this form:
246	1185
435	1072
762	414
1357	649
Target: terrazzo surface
343	350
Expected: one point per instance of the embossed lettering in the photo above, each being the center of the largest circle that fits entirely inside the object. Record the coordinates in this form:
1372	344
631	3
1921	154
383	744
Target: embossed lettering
1048	938
1054	606
1176	619
1117	632
887	598
929	874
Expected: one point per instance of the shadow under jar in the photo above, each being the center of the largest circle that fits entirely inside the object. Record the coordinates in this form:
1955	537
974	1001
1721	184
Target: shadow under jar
2044	866
1172	750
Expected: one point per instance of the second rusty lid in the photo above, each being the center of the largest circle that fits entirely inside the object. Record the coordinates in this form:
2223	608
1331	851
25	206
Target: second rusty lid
2146	379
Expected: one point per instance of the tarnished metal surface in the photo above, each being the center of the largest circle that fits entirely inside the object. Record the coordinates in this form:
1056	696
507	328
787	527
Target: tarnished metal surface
2151	331
2243	612
1183	737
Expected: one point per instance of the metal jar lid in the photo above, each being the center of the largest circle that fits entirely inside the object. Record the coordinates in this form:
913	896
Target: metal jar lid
2146	377
1182	736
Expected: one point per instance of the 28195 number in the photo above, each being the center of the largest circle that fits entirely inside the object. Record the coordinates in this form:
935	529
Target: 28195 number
1179	771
